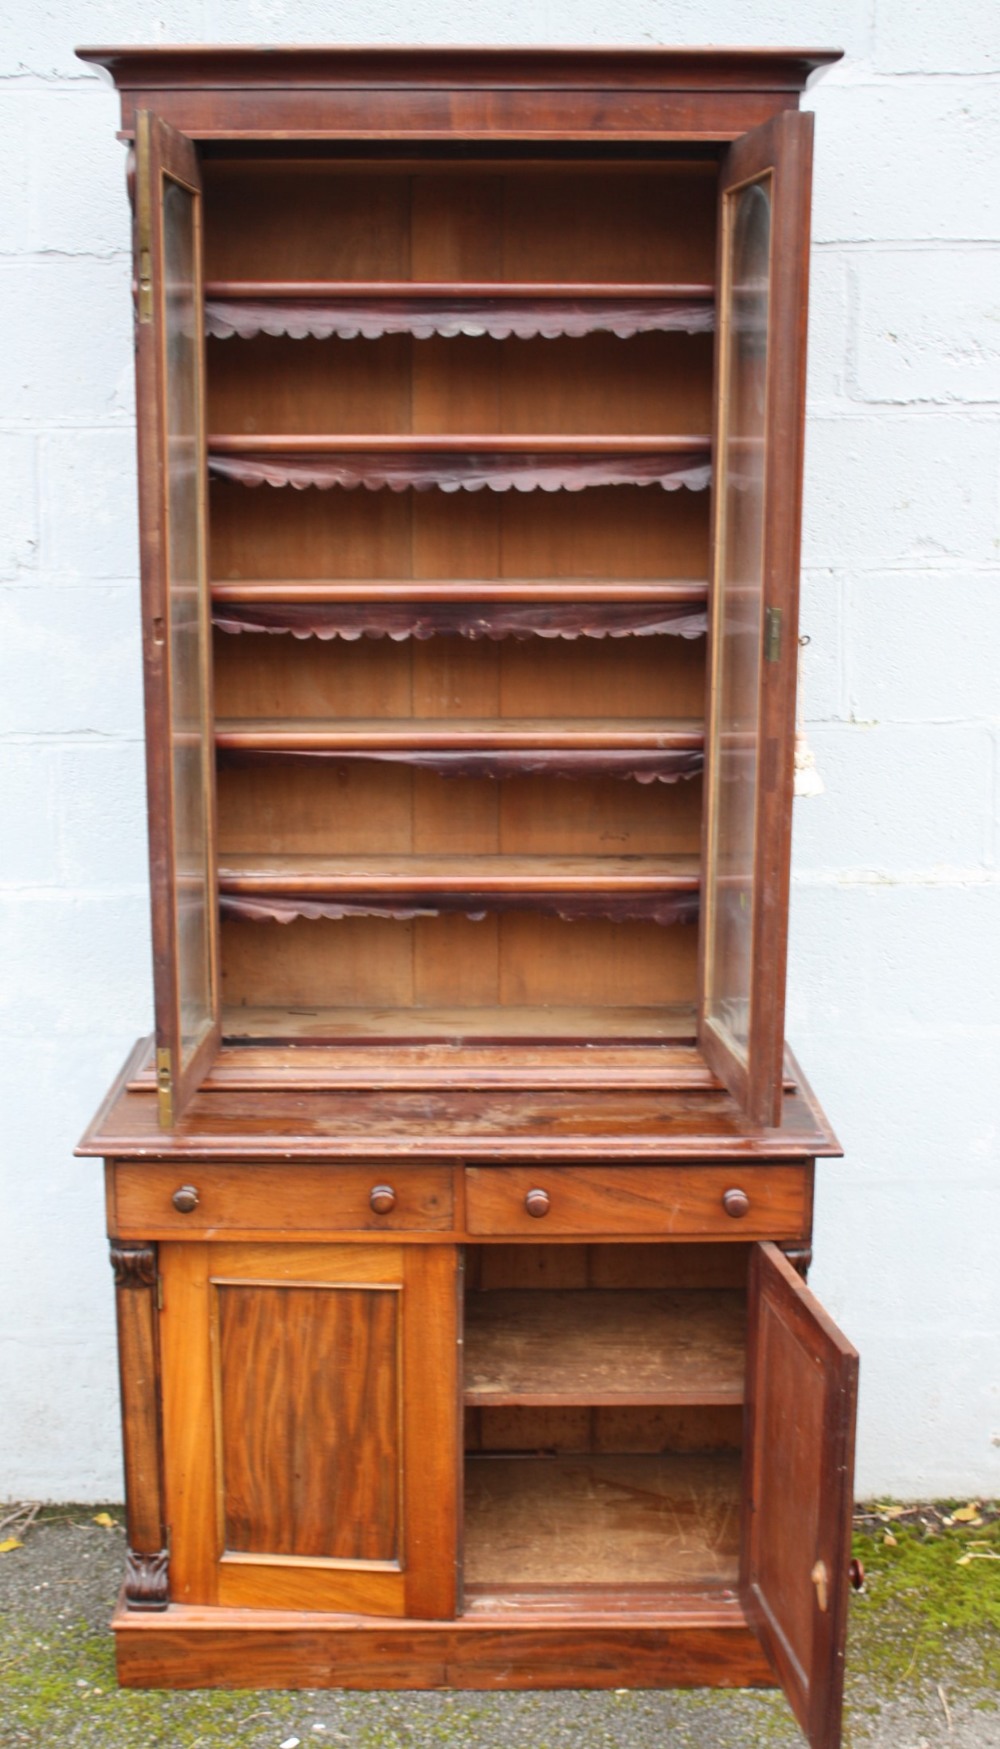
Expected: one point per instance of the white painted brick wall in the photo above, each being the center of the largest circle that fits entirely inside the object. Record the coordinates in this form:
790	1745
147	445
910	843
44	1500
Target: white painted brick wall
895	965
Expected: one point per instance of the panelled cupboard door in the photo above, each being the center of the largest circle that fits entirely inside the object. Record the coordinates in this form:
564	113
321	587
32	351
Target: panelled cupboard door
801	1395
762	282
170	373
310	1404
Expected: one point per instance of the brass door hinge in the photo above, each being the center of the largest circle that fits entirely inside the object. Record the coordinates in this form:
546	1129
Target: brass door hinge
165	1088
772	634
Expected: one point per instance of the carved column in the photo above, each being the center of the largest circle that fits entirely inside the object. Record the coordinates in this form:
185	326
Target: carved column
146	1576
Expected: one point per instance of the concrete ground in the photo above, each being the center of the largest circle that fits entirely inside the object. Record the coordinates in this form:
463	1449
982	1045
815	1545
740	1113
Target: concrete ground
917	1679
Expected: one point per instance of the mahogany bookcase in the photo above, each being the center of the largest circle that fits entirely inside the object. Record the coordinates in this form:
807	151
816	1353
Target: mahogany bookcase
461	1206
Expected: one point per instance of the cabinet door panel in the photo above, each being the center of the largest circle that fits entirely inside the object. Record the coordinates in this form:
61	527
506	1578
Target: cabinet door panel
322	1382
308	1393
801	1387
176	611
760	386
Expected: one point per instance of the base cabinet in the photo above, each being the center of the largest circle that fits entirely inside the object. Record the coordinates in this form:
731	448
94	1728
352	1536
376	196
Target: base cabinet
419	1460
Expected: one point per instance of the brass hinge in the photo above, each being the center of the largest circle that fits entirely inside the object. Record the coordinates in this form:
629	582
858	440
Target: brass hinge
772	634
165	1088
143	219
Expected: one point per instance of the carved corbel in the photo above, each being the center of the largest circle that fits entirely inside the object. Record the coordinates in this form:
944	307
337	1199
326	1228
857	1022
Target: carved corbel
147	1580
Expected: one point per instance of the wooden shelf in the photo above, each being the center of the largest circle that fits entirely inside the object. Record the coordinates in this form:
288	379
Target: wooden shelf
459	1026
608	1520
526	289
460	734
469	462
604	1347
649	751
662	889
351	310
318	591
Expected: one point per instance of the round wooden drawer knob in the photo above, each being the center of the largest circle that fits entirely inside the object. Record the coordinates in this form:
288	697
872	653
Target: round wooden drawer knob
736	1203
382	1199
185	1200
537	1203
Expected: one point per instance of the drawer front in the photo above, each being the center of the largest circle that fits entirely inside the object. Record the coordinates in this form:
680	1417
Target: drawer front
657	1201
149	1202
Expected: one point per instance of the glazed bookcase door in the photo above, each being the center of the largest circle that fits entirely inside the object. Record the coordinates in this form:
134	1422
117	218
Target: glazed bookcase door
760	377
801	1395
310	1408
176	608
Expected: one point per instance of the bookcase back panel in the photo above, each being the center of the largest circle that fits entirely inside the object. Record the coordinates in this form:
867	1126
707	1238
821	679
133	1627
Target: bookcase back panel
696	1428
610	531
332	807
316	219
282	676
595	385
492	1268
506	961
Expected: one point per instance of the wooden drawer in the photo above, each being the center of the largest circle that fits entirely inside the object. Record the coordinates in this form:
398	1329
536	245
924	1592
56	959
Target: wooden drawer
657	1201
234	1200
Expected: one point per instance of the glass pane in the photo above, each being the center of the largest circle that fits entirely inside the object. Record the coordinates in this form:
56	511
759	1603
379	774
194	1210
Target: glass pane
738	610
189	729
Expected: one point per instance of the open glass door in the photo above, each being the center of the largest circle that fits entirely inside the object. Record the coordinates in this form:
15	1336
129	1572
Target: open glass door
760	381
801	1396
176	610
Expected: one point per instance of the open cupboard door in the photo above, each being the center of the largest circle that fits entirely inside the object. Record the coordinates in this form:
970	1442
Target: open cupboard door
762	276
801	1395
177	656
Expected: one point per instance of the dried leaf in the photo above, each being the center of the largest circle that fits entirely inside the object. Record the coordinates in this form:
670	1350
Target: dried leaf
890	1511
963	1560
10	1542
967	1514
890	1540
105	1519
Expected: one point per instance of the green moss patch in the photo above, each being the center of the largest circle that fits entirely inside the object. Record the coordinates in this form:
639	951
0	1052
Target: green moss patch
930	1608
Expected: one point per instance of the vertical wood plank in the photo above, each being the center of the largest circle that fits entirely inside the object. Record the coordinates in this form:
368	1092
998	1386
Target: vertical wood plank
189	1424
432	1429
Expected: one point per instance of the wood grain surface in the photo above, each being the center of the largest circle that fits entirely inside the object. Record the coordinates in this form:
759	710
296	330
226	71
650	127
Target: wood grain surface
610	1520
607	1346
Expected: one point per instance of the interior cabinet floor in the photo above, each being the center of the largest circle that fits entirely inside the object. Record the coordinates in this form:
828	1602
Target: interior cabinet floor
608	1520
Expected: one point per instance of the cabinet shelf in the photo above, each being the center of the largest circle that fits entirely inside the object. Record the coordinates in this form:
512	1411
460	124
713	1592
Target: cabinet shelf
349	310
648	751
493	620
658	889
461	463
596	591
607	1520
549	1349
